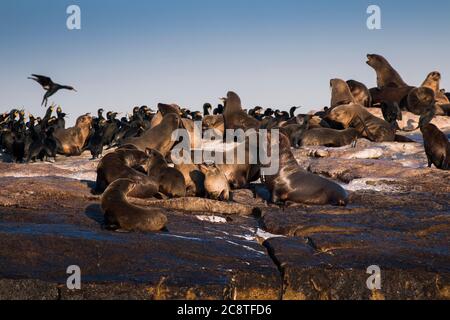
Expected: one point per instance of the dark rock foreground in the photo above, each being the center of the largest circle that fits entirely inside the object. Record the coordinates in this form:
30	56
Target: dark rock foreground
398	219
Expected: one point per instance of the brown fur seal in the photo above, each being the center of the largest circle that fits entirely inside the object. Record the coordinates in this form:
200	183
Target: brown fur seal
391	95
194	178
215	123
171	181
329	137
420	99
126	164
235	117
368	125
120	214
361	93
294	184
216	184
340	93
72	140
433	81
437	146
159	137
387	76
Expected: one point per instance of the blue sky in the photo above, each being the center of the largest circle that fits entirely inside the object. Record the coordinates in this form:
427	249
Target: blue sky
272	53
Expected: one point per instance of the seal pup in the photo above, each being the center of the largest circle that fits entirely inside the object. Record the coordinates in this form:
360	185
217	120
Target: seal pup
120	214
159	137
215	123
235	117
436	144
171	181
216	184
360	93
387	76
126	163
294	184
72	140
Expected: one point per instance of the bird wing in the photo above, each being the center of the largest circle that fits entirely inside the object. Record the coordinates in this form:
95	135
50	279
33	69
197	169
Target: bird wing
44	81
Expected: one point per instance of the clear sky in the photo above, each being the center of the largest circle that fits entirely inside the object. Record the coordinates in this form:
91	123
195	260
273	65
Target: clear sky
272	53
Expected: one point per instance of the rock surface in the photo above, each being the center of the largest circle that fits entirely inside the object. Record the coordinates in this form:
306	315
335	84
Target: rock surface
398	219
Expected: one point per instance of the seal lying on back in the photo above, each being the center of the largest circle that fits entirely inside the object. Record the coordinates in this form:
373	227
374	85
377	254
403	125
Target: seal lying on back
437	146
329	137
387	76
120	214
294	184
126	164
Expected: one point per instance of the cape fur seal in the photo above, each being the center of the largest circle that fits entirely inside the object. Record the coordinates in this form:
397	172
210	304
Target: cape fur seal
194	179
368	125
353	115
216	184
235	117
72	140
294	184
126	164
159	137
360	93
387	76
120	214
171	181
420	100
433	82
329	137
437	146
340	93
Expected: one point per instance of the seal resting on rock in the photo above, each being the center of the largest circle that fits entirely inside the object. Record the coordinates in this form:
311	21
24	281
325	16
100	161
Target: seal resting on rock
294	184
171	181
329	137
126	164
72	140
120	214
216	184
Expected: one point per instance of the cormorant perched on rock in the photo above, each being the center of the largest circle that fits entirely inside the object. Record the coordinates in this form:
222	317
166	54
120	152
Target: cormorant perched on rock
207	109
49	86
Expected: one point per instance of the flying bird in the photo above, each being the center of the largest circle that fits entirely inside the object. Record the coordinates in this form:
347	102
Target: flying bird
49	86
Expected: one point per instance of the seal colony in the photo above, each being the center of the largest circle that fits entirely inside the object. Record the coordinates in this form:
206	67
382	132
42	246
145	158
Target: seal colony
138	181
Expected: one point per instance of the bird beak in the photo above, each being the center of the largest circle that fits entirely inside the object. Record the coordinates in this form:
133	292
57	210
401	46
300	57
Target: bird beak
75	90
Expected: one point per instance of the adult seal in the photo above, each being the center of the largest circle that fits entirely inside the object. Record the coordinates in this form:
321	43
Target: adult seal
437	146
293	184
159	137
360	93
121	214
126	163
72	140
235	117
387	76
